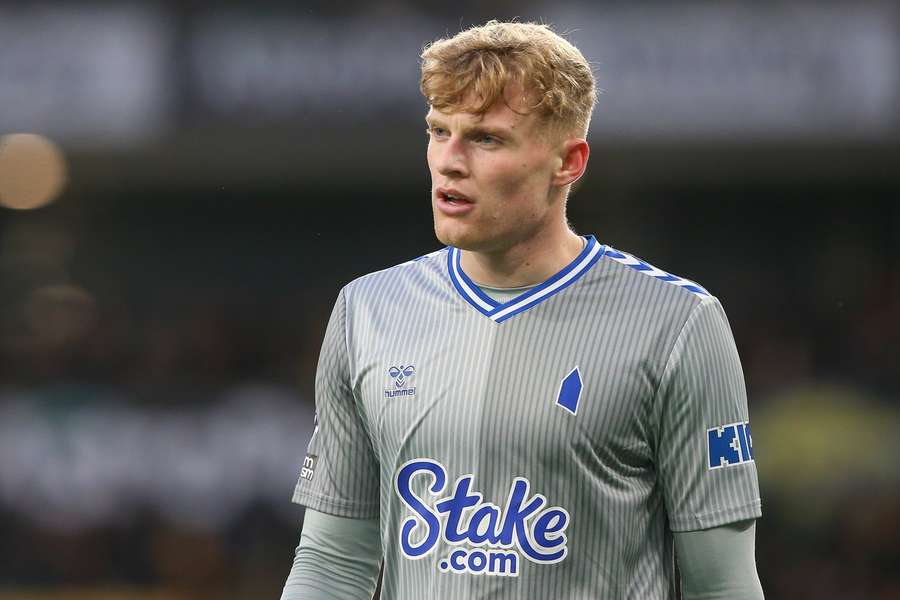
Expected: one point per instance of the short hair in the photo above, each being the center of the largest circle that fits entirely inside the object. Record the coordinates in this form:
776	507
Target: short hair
470	71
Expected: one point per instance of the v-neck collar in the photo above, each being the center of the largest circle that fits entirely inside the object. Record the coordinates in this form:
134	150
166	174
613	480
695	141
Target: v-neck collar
501	311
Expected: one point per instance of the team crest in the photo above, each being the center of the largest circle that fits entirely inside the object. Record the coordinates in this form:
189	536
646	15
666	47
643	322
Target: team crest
400	379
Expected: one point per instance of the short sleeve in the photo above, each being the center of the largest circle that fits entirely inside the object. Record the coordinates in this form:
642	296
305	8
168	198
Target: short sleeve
704	451
339	474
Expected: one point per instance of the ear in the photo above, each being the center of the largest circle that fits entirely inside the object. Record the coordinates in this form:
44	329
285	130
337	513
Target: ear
574	153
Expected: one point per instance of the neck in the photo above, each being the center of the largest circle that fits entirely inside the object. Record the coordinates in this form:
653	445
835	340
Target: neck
528	262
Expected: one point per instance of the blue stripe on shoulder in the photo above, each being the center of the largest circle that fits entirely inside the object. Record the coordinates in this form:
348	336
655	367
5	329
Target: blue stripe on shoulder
651	271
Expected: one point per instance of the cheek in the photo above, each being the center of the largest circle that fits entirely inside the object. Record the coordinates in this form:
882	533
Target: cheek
520	180
429	158
503	175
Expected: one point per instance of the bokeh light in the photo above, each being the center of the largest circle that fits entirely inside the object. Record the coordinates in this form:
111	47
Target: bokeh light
32	171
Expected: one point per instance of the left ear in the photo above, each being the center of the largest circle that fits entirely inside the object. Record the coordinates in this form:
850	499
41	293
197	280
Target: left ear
574	153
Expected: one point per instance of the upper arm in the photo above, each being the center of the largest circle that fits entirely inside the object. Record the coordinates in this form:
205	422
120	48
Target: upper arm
340	475
707	474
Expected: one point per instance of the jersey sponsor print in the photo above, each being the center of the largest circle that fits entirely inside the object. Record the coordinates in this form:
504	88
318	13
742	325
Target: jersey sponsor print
487	538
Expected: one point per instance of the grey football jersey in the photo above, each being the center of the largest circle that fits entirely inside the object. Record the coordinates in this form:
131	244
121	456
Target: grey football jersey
545	447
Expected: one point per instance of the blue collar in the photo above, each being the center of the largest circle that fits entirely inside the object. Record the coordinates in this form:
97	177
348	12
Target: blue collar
499	312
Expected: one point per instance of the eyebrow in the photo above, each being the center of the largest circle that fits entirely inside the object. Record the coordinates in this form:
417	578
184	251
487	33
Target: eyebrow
474	129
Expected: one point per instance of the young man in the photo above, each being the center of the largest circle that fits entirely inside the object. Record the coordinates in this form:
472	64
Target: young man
526	413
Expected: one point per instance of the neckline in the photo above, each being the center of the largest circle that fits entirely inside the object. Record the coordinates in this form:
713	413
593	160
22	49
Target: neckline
504	290
501	311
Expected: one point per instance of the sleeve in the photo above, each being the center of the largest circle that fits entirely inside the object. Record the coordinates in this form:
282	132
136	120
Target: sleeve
340	474
719	563
704	452
337	559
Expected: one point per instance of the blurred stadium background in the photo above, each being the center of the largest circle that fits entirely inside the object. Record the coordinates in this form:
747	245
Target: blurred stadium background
210	173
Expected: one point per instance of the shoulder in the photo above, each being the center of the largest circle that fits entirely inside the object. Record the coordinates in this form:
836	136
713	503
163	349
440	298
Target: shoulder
679	318
644	268
398	278
651	290
639	276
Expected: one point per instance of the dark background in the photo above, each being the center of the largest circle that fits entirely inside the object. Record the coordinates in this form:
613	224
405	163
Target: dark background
161	320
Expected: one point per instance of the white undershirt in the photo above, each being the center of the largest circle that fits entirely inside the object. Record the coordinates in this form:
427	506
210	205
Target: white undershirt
504	295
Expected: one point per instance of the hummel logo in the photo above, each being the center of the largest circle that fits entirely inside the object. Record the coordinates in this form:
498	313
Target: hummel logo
401	376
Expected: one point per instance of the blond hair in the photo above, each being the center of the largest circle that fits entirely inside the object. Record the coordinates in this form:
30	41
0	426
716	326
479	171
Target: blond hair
473	70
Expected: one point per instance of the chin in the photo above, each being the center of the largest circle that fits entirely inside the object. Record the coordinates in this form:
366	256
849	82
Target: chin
451	235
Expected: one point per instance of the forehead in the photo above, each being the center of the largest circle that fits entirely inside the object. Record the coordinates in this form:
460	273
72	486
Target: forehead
498	116
510	111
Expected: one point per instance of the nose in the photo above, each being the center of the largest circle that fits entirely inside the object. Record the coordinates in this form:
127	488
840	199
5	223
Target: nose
450	159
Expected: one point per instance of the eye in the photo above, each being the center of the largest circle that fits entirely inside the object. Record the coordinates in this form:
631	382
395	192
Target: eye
438	132
487	140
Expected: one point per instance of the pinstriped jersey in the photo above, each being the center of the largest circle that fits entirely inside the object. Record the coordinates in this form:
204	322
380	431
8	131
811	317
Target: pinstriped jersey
542	447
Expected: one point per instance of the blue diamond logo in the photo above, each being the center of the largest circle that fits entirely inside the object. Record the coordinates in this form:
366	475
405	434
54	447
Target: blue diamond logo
570	391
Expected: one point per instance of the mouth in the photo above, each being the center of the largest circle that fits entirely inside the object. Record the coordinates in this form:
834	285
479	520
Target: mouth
452	197
452	203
